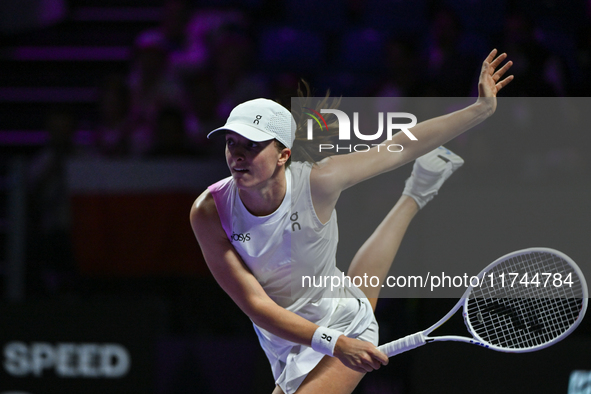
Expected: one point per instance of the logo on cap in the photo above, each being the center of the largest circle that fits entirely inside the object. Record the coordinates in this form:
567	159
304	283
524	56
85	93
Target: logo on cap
259	117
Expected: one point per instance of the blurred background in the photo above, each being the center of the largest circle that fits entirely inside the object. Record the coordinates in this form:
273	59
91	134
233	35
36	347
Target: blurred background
104	110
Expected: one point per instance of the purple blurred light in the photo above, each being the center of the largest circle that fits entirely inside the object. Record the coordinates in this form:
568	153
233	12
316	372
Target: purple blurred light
105	14
70	53
23	137
48	94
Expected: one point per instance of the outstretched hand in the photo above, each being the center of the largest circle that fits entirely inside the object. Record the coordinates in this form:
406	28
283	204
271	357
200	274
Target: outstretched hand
359	355
490	82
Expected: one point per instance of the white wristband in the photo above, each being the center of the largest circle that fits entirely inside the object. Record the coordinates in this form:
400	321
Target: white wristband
325	339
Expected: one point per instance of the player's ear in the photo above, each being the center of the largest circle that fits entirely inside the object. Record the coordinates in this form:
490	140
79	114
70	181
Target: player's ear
284	155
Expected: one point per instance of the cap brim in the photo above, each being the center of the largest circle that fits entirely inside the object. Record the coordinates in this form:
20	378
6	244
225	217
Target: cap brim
247	131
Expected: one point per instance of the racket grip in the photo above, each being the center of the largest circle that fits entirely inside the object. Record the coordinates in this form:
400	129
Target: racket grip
403	344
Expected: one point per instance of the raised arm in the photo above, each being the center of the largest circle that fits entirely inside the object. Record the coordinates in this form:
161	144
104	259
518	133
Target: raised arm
240	284
340	172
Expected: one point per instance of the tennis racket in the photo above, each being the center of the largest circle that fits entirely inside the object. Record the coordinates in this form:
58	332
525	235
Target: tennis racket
524	301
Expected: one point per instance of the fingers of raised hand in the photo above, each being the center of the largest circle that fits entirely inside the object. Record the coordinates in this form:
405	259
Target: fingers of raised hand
499	73
491	56
504	82
499	59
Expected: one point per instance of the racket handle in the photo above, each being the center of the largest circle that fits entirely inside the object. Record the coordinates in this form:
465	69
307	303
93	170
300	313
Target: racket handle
403	344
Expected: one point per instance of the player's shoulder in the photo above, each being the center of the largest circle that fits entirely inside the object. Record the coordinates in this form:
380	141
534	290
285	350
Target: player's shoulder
203	208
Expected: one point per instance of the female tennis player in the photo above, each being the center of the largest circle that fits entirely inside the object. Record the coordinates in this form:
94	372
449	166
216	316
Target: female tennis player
272	219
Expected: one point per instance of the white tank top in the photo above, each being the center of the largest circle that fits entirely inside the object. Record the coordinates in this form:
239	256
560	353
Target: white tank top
282	247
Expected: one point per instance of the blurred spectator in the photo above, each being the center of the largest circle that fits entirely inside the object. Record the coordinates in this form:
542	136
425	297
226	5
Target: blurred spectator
172	29
283	87
114	127
174	23
52	259
233	52
171	139
202	98
21	15
198	65
401	70
196	54
355	10
449	68
153	86
216	70
583	84
538	73
154	82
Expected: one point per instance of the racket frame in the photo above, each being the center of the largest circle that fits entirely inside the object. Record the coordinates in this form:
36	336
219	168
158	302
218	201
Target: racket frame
585	298
420	338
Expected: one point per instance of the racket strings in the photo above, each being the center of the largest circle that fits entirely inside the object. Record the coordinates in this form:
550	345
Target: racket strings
521	313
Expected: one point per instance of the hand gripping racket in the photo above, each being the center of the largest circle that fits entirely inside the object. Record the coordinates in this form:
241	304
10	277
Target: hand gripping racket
524	301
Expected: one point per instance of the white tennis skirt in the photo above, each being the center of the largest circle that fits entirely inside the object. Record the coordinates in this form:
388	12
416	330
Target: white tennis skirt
292	362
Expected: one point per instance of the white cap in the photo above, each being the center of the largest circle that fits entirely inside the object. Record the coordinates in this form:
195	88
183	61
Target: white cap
261	120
